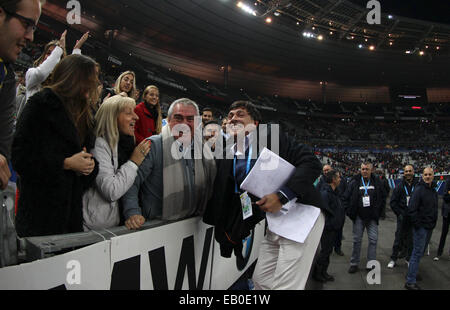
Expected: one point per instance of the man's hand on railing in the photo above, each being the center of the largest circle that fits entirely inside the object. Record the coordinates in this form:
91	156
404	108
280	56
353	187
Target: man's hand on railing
135	222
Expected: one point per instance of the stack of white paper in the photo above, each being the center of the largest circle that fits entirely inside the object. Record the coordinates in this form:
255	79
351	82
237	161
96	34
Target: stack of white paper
267	176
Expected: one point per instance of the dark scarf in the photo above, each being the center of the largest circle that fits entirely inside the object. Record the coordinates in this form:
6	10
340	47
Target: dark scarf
152	109
125	148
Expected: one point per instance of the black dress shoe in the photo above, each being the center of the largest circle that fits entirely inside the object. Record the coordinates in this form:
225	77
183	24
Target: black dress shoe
319	278
327	276
412	287
339	252
353	269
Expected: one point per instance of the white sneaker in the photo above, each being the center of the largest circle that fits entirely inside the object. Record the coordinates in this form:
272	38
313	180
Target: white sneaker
391	264
436	258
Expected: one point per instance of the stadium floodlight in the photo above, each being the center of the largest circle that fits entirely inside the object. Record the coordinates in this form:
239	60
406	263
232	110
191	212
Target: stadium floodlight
246	8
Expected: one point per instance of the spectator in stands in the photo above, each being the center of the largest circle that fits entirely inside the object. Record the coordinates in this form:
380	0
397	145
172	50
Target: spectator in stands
363	200
321	180
282	263
149	113
170	184
207	115
18	20
399	204
333	223
118	160
224	128
126	83
38	76
211	132
423	210
49	150
445	219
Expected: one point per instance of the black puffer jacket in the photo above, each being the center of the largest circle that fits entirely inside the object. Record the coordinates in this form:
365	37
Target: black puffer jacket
423	206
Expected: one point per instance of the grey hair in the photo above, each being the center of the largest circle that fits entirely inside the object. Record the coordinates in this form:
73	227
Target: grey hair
184	102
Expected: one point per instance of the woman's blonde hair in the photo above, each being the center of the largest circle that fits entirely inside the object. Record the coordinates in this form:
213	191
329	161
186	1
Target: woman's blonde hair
106	118
158	121
132	92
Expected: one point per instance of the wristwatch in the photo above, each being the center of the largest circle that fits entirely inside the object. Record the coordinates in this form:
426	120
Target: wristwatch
283	199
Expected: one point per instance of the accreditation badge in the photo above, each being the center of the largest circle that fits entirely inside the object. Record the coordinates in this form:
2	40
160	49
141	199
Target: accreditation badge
246	204
366	201
407	200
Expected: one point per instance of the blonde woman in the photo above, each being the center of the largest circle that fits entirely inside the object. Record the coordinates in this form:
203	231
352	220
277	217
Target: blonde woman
118	160
149	112
54	51
126	83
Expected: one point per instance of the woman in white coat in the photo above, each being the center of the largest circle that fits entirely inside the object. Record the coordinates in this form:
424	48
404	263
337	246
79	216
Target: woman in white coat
118	160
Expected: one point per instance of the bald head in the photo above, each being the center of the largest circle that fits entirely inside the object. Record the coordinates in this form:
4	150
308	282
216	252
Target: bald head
408	173
326	169
428	175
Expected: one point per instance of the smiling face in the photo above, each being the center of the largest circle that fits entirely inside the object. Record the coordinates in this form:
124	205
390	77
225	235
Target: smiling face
206	116
152	96
182	116
239	121
126	84
15	33
127	120
408	173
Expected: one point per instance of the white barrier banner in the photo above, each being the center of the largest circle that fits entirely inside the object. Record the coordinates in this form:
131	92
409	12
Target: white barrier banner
172	256
84	269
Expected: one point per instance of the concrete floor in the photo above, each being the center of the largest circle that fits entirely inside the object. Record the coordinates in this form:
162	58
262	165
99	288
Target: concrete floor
435	274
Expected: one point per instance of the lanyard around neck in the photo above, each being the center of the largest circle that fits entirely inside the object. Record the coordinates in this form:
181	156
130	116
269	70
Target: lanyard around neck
247	169
406	190
365	186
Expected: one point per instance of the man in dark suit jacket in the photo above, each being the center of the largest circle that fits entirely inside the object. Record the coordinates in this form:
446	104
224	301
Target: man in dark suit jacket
225	211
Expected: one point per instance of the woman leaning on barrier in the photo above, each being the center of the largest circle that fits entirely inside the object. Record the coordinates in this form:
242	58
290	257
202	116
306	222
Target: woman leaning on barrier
49	150
118	162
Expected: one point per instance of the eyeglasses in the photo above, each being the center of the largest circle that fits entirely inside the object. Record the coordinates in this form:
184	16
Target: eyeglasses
29	24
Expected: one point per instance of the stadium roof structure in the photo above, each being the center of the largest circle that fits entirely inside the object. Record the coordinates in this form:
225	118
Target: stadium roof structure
306	40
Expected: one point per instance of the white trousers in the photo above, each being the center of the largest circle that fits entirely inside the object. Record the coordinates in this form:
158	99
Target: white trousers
284	264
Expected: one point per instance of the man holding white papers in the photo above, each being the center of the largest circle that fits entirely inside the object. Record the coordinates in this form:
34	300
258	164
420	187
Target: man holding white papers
282	263
363	201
